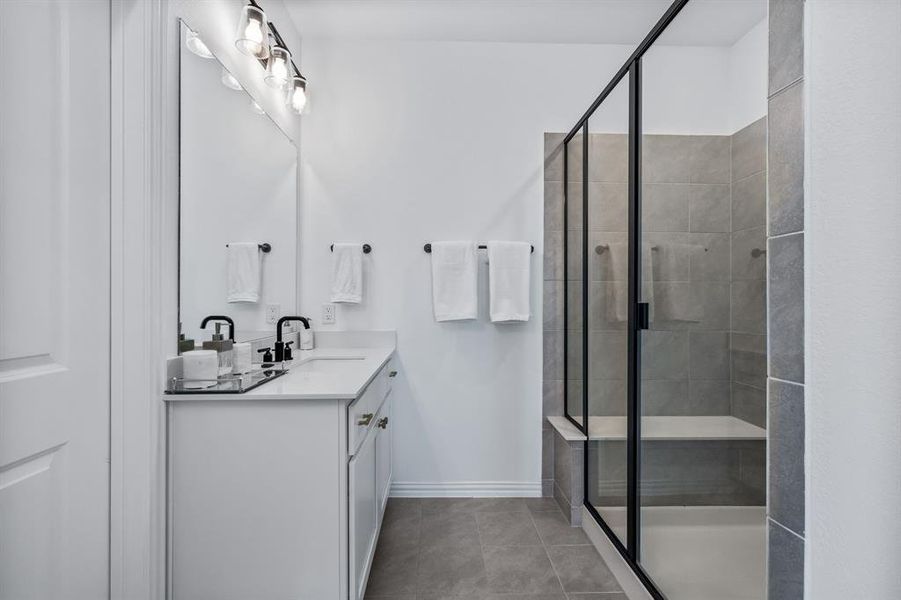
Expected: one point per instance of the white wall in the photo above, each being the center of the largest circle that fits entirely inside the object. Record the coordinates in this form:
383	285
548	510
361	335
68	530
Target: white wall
853	284
408	142
747	69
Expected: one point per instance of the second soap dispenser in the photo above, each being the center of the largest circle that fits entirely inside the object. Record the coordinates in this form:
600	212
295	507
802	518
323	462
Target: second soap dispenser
224	347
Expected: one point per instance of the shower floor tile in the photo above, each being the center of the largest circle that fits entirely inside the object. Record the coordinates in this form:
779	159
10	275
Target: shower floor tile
701	552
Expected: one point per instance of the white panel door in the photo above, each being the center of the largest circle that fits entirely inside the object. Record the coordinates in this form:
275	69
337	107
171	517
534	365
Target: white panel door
54	299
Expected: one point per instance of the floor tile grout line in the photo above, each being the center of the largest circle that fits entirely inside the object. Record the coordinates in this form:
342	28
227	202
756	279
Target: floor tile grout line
548	554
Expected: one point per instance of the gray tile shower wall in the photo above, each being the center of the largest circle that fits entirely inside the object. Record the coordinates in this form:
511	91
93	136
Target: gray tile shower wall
553	300
748	345
785	207
706	351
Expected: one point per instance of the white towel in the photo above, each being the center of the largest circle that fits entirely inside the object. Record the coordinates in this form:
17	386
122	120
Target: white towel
243	271
347	273
455	271
508	280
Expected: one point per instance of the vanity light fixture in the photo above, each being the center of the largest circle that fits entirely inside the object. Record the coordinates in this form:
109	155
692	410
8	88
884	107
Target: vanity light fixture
278	68
297	94
252	38
229	81
196	45
260	39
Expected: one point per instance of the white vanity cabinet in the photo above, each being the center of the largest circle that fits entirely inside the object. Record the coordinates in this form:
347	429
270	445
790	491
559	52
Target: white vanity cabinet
276	496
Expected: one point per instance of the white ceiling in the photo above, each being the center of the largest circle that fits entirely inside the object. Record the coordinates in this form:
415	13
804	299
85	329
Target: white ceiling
701	22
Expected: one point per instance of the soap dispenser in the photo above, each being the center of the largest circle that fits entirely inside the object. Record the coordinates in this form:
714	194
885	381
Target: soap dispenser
224	348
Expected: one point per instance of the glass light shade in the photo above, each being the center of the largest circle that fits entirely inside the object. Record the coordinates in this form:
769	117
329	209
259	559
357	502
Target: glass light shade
252	38
196	45
297	94
229	81
257	108
278	68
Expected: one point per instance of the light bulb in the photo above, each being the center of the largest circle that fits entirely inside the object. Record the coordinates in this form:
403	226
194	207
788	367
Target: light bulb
297	94
278	68
196	45
229	81
251	37
257	108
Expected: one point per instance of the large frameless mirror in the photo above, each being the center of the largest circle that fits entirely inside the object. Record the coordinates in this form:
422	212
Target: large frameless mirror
238	190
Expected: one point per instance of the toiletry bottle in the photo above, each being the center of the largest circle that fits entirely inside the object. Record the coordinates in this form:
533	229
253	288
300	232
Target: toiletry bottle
224	348
184	345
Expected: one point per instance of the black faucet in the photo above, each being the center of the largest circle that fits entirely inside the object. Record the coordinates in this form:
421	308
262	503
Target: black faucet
231	324
279	344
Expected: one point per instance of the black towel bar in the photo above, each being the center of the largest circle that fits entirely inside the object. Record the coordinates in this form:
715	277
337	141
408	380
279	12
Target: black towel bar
428	248
366	248
264	247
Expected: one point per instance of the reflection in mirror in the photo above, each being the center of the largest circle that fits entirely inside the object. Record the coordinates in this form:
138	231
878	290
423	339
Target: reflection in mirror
238	191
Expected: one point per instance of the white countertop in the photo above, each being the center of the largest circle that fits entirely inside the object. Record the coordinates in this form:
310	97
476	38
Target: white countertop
313	374
663	428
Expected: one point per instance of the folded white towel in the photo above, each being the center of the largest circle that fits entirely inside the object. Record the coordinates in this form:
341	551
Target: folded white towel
455	271
243	271
508	280
347	273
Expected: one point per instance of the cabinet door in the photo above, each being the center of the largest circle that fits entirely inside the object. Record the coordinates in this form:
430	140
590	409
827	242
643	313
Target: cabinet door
383	445
363	514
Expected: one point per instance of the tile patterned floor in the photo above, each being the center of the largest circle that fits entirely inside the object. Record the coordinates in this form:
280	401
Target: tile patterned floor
485	549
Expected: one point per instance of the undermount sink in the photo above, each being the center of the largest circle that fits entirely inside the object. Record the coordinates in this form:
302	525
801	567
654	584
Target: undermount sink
325	364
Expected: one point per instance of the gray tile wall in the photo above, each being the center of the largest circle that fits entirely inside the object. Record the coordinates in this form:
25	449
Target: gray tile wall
706	351
748	294
554	270
569	481
785	245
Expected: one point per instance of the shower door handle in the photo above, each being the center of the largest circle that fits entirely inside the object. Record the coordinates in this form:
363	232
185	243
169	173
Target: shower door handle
642	316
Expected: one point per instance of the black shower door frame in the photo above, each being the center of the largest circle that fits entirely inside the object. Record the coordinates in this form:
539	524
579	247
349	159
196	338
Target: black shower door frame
637	311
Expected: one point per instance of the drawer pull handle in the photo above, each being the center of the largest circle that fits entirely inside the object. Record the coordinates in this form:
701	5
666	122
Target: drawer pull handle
382	423
392	374
365	420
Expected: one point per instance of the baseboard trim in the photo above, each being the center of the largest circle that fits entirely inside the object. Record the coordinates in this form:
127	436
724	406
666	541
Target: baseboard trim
465	489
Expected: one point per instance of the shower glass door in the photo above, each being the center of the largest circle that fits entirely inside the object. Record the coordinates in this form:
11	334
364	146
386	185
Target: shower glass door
573	330
701	489
606	225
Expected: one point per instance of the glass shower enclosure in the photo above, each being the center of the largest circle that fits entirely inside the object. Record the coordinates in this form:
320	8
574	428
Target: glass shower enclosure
665	318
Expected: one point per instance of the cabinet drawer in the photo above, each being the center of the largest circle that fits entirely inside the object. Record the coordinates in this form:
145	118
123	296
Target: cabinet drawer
361	413
390	372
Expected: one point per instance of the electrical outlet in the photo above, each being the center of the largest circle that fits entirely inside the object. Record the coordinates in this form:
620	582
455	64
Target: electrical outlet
272	313
328	313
